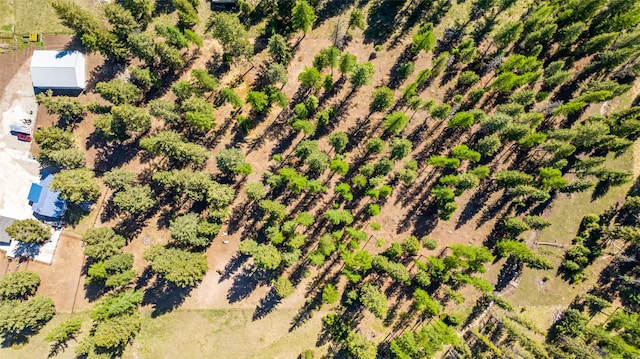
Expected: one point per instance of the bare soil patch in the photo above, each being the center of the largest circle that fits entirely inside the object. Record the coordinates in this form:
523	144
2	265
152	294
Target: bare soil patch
60	280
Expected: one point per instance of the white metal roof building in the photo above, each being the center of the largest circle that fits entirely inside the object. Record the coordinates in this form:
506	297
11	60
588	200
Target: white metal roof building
58	69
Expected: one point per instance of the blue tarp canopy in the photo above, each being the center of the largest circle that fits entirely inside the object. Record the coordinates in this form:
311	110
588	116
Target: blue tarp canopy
45	202
34	192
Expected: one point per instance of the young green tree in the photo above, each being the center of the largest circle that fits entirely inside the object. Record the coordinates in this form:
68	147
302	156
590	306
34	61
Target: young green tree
375	145
463	152
231	97
231	161
362	74
205	82
395	122
507	34
310	78
423	40
255	191
283	287
274	209
339	141
330	294
400	148
374	300
279	49
461	119
346	63
356	19
267	257
173	36
424	303
258	100
277	73
339	216
302	16
228	29
64	331
383	98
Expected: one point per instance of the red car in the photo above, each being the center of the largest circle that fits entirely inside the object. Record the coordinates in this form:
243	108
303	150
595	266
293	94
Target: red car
24	137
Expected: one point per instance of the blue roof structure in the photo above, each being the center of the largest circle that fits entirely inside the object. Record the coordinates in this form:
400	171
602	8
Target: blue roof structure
34	192
44	201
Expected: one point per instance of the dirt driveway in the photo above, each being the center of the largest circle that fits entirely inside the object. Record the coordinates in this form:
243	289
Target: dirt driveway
18	168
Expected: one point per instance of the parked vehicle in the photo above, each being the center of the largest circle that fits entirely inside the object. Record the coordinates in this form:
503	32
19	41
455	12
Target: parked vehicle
24	137
15	128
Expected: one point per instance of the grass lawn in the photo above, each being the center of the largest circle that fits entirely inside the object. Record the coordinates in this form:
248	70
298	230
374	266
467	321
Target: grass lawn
565	216
36	347
36	15
198	334
227	333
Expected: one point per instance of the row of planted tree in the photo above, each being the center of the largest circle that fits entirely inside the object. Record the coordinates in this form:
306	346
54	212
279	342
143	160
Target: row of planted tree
515	93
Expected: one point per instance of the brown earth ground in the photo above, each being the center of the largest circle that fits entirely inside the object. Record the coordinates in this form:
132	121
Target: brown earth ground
403	213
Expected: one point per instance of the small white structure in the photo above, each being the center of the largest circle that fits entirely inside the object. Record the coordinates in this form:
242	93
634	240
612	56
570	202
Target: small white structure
58	70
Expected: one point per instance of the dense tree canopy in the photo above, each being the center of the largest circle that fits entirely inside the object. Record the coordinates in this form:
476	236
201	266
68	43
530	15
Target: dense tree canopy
19	285
28	316
29	231
180	267
76	186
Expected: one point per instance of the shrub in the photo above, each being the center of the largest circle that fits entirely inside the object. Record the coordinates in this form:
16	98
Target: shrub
373	209
429	243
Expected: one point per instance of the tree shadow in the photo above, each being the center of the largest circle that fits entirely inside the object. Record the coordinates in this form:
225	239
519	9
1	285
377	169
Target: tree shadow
381	14
511	269
267	305
93	291
330	9
245	283
164	296
59	347
232	266
26	250
477	201
600	190
74	215
15	340
309	307
113	156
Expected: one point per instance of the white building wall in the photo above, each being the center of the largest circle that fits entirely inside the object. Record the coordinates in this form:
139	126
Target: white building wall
58	70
